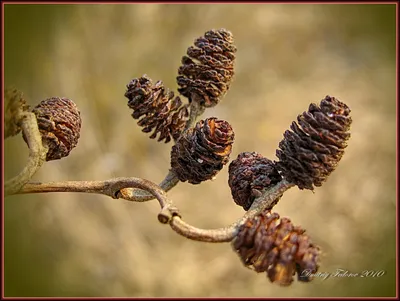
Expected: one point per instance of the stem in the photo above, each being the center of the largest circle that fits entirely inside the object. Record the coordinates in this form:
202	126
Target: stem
140	194
169	213
68	186
111	188
37	154
267	201
136	195
212	235
195	110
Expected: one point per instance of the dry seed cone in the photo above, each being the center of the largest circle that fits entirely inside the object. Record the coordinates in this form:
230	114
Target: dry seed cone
249	175
156	108
268	243
59	123
313	148
201	152
208	68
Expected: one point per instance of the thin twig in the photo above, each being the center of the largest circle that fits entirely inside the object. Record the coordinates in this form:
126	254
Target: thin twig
169	213
206	235
137	195
37	154
269	198
111	188
195	110
266	201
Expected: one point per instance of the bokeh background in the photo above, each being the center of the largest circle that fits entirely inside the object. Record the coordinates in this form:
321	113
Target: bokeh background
69	244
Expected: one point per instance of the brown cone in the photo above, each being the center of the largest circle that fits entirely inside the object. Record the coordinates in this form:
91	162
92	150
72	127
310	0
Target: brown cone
268	243
59	123
201	152
249	174
156	108
312	150
208	69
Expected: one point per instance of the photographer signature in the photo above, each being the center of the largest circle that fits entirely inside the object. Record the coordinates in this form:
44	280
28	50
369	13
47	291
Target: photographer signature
343	273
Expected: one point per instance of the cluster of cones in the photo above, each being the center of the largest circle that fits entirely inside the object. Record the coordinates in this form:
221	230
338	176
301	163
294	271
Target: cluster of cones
307	154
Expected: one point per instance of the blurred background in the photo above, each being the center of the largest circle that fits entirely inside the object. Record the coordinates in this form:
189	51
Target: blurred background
70	244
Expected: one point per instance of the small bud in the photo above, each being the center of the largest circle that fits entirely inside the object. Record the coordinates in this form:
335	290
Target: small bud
156	108
249	174
311	151
59	123
208	69
201	152
268	243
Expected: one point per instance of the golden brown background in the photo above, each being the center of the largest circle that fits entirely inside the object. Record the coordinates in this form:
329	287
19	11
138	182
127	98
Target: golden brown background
69	244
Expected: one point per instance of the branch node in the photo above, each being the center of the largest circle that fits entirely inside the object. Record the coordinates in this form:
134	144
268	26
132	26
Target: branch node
167	213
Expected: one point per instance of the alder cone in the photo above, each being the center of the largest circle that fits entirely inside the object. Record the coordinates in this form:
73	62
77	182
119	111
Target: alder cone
208	68
313	148
249	174
156	108
268	243
59	123
201	152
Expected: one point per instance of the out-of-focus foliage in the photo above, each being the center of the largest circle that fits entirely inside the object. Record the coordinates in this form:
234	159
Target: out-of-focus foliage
66	244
